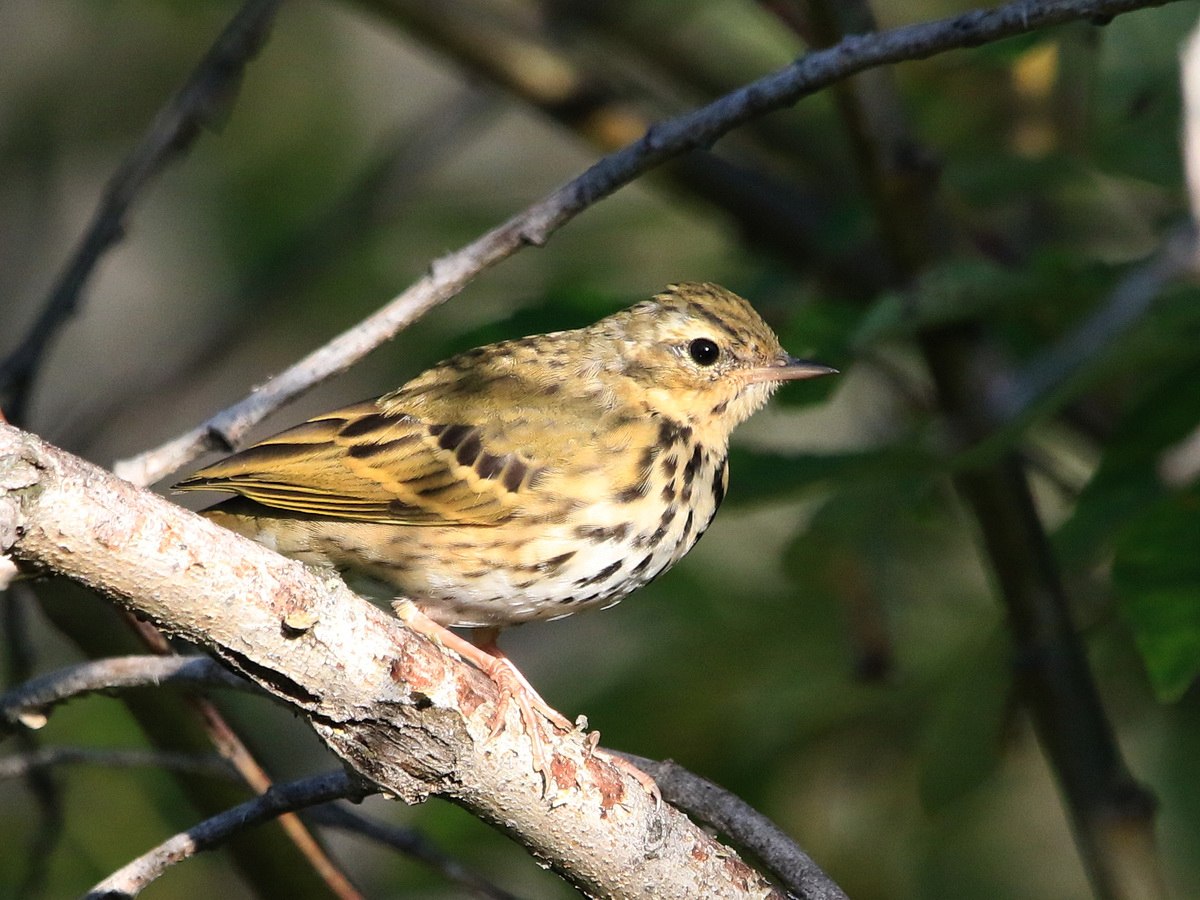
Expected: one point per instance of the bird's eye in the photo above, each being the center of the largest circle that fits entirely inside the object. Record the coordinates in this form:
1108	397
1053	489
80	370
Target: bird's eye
704	352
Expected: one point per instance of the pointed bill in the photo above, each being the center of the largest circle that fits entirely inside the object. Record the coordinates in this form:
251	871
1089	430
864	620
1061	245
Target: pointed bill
789	368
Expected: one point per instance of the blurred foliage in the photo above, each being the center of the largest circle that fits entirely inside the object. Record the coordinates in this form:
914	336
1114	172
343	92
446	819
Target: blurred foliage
1157	571
833	651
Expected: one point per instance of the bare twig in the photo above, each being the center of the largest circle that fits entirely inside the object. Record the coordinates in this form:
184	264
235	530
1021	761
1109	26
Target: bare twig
233	749
131	879
1125	306
29	704
1181	464
1111	814
41	783
202	100
742	824
771	212
663	141
51	757
409	842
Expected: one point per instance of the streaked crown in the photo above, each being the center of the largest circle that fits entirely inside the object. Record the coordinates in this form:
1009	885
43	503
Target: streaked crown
702	355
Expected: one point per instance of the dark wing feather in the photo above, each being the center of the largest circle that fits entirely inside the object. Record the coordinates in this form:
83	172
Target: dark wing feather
364	464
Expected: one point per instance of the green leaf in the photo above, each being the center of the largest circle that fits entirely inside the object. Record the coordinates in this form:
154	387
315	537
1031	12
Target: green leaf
1157	573
1127	481
758	476
962	742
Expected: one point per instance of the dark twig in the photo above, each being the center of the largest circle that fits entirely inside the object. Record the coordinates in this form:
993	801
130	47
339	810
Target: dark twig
41	784
20	764
1111	814
409	842
742	824
200	103
129	880
28	704
663	141
769	211
1126	305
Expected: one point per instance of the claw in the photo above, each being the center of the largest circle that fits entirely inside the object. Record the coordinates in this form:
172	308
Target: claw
624	765
535	712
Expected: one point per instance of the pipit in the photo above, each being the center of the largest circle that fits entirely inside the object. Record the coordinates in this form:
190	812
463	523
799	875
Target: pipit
528	479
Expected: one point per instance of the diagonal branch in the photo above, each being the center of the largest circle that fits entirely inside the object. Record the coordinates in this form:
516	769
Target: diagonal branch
28	704
409	842
744	825
662	141
401	711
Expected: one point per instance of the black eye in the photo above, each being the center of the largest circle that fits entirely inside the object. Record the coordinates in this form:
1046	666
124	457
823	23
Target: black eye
704	351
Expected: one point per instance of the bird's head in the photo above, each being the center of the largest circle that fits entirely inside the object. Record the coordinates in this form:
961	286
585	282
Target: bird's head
701	355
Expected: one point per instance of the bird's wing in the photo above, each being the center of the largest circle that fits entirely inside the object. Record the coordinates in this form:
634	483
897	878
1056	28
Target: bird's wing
367	464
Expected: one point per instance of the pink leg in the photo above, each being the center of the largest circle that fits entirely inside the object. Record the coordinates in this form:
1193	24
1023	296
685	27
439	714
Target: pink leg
513	686
484	639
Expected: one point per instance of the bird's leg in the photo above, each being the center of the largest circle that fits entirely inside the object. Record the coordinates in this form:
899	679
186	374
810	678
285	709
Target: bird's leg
513	685
485	640
483	653
619	762
530	702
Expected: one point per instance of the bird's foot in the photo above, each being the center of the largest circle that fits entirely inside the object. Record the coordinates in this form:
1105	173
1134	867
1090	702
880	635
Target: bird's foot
539	719
622	764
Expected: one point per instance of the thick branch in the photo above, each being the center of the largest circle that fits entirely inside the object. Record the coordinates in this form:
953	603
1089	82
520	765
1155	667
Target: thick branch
399	710
744	825
663	141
